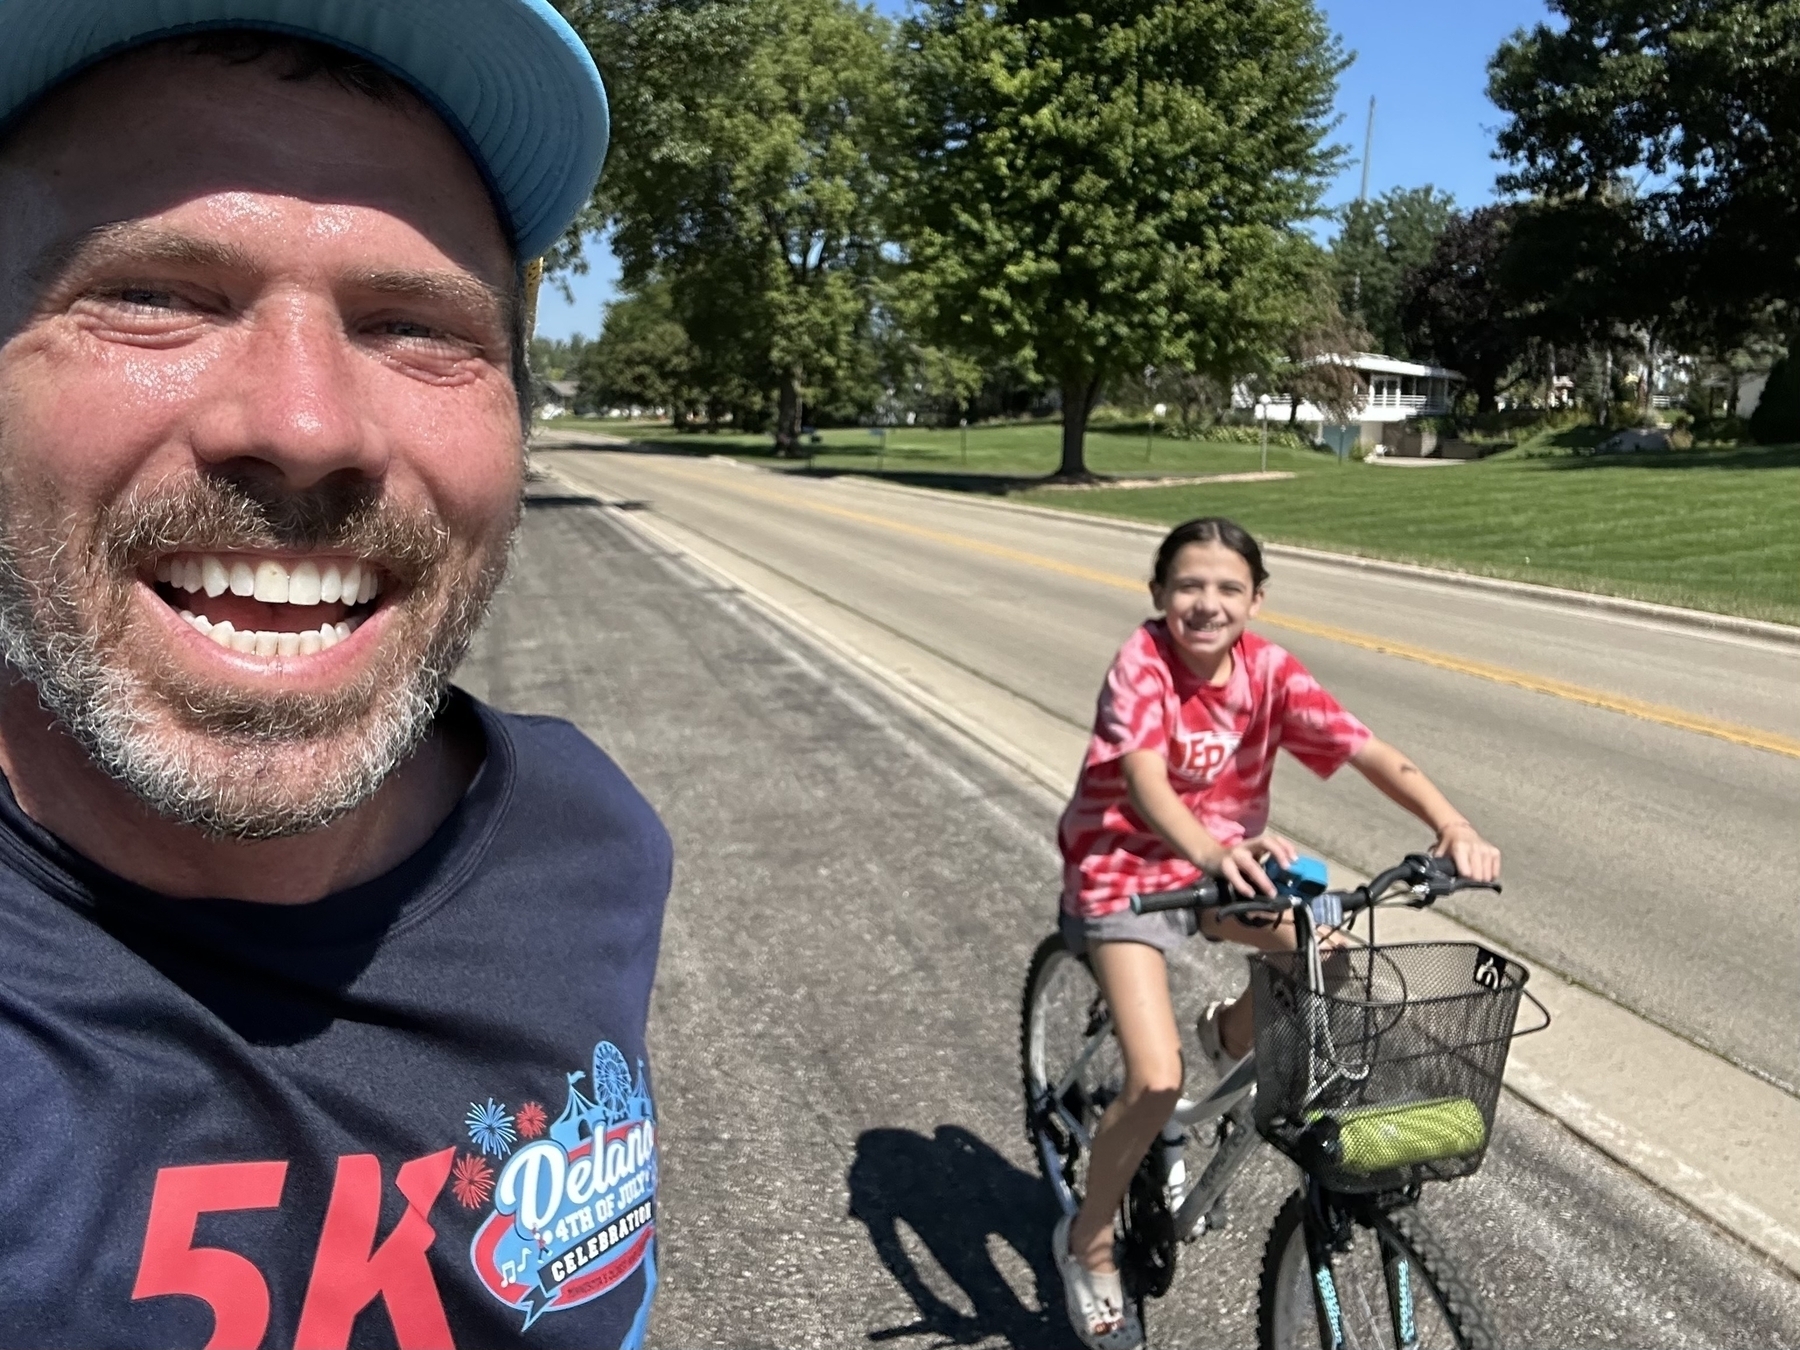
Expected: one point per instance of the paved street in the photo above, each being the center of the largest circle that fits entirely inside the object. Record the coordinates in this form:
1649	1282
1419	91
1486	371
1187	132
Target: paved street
1645	861
835	1020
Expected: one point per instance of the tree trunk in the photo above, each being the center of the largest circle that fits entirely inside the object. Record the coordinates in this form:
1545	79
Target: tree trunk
1486	399
787	413
1077	402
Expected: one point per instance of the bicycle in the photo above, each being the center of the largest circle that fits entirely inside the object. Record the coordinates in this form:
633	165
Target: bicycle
1376	1069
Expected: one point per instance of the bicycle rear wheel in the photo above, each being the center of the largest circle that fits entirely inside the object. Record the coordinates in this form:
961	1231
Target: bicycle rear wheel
1068	1079
1393	1289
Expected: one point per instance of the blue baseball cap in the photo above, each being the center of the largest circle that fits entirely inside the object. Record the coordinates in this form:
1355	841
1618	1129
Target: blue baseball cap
510	77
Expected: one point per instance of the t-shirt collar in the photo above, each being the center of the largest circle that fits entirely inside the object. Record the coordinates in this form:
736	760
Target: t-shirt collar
399	897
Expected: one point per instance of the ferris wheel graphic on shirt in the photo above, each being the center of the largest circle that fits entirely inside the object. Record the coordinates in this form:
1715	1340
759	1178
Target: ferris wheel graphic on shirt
573	1210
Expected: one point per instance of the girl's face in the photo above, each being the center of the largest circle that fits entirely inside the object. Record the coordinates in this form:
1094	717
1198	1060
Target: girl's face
1208	597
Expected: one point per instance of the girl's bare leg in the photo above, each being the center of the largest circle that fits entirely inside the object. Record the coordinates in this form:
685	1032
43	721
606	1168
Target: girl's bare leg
1135	982
1237	1019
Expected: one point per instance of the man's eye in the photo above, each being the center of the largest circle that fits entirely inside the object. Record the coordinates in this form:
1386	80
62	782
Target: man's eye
145	298
406	328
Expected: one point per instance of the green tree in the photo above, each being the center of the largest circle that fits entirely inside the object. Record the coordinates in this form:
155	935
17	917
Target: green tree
1099	187
745	174
1697	98
642	358
1457	307
558	358
1777	416
1377	244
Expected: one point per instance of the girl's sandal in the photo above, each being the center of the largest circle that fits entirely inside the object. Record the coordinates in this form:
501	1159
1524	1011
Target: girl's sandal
1098	1308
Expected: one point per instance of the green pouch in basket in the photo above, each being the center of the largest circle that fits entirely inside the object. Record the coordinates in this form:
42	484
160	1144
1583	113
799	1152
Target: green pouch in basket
1382	1138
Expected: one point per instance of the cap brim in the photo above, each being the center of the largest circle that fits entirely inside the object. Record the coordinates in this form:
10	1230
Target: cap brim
510	77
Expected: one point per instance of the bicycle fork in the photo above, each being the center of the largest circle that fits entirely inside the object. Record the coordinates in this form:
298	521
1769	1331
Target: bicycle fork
1327	1230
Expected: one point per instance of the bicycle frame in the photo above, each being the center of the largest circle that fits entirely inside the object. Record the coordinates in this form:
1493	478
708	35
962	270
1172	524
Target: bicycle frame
1328	1216
1230	1100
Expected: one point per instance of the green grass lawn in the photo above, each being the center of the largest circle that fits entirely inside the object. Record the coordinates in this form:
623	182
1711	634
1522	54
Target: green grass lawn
1715	528
1023	452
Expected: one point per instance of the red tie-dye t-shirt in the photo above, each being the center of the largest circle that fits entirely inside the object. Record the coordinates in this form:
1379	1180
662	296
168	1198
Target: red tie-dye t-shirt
1220	742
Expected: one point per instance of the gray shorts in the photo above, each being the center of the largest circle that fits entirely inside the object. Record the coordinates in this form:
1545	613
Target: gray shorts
1165	931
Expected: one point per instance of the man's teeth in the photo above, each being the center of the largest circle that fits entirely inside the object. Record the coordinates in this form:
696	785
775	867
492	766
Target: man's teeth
276	583
263	643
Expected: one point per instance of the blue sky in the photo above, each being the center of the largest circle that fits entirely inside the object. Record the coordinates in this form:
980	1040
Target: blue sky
1425	62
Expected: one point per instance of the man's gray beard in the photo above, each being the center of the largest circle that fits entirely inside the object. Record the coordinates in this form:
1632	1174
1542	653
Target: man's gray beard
239	781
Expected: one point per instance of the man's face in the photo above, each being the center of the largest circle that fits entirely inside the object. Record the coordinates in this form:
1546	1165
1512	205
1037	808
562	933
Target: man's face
259	445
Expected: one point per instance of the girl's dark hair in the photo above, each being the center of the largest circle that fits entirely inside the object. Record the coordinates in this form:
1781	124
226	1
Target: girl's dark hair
1210	530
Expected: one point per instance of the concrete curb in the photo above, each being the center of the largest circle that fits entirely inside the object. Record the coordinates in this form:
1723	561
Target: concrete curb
1704	620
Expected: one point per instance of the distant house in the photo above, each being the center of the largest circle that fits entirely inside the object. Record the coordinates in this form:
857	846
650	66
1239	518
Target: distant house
554	398
1393	391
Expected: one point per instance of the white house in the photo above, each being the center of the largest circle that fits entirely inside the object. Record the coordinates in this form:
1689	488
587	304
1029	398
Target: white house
1393	391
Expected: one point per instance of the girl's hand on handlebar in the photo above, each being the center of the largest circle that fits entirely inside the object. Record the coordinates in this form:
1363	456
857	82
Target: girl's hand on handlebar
1474	857
1241	867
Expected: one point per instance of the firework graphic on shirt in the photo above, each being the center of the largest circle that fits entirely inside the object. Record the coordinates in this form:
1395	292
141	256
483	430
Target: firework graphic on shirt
490	1128
531	1120
472	1181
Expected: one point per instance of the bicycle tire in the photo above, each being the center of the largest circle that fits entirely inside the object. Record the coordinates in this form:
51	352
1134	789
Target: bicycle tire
1056	1015
1289	1315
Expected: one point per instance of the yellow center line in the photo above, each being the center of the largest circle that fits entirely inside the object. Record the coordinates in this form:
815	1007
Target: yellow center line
1660	713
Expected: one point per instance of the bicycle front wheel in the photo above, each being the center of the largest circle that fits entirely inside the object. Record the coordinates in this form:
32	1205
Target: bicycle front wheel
1394	1289
1070	1063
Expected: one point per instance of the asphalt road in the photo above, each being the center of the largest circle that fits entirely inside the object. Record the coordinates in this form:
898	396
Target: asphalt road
1649	862
835	1020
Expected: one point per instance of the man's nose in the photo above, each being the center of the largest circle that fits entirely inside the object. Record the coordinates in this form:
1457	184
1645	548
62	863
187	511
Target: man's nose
293	398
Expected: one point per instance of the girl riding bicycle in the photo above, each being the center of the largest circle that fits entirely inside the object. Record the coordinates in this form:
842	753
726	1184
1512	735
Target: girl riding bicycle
1176	783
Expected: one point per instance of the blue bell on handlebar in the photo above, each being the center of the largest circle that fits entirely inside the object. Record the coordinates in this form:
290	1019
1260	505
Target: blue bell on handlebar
1304	879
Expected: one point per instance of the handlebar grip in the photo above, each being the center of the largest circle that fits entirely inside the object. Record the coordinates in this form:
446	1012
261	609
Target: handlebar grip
1443	870
1201	895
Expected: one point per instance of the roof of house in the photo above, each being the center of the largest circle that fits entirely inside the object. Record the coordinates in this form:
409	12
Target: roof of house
1374	363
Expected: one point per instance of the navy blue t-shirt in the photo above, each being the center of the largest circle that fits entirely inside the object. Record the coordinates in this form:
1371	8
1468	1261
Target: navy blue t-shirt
413	1114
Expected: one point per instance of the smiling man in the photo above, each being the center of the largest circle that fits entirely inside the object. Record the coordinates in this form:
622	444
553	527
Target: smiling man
323	997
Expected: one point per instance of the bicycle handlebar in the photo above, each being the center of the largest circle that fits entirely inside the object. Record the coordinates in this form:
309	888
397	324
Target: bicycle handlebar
1427	876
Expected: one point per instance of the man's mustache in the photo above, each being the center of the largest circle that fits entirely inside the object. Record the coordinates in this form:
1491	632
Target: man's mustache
220	514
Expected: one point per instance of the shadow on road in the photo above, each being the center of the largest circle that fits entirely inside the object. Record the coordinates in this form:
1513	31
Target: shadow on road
960	1199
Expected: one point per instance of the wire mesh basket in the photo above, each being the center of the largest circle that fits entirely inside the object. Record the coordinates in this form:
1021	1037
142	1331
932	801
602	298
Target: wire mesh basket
1391	1074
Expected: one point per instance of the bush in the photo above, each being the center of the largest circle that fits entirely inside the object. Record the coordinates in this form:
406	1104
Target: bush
1776	420
1238	433
1506	424
1726	430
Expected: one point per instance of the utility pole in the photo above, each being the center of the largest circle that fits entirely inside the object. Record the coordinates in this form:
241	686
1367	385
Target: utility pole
1362	196
1368	144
